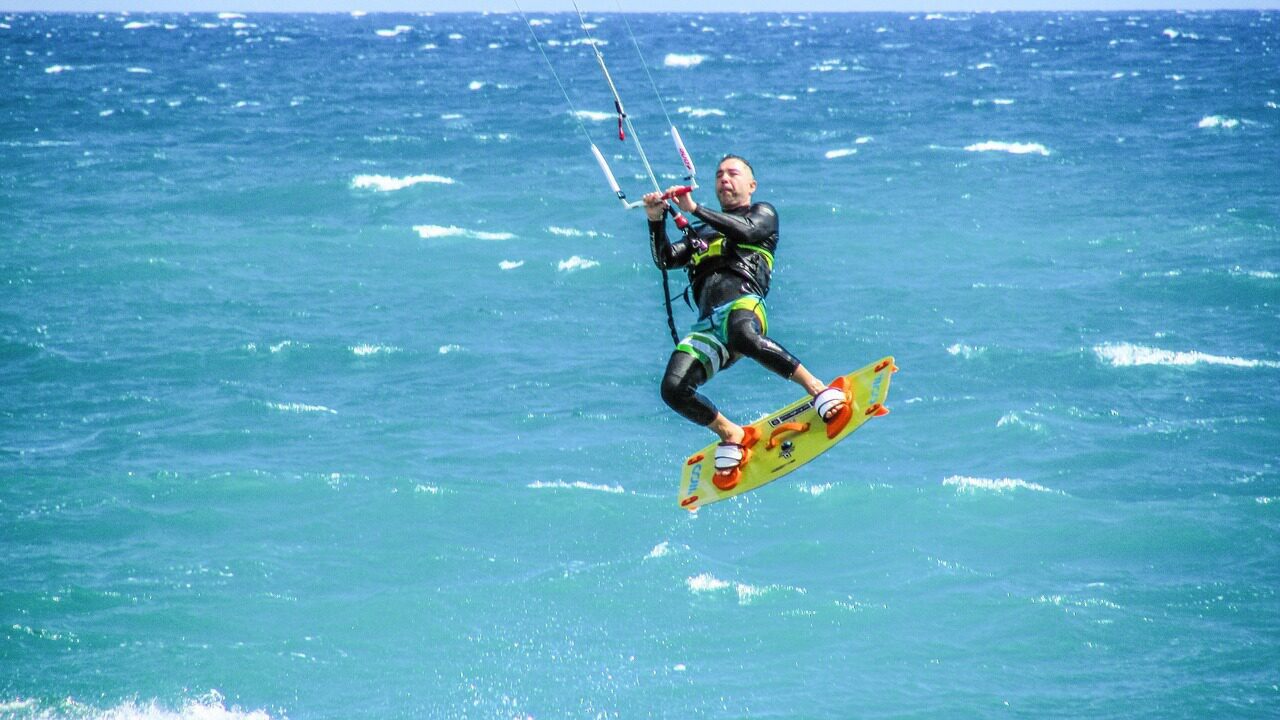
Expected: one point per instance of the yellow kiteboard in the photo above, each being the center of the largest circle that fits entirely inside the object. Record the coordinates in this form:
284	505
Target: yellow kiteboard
788	438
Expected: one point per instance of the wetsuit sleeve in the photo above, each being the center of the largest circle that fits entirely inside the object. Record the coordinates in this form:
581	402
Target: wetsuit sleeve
759	226
667	255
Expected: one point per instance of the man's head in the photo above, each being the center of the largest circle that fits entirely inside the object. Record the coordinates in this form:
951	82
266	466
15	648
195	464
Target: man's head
735	182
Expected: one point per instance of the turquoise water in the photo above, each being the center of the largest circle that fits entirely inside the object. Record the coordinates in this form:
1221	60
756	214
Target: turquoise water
329	366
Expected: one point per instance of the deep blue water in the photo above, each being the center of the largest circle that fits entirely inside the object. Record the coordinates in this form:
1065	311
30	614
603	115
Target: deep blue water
329	366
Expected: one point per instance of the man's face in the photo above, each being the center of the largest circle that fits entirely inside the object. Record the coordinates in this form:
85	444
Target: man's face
734	183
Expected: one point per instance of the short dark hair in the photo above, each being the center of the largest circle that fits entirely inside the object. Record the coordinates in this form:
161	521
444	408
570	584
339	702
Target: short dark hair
740	159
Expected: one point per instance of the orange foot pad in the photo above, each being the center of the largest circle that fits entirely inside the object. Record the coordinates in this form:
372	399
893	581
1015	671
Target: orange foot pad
728	479
843	415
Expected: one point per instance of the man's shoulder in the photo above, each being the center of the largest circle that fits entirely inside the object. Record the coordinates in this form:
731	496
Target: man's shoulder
764	207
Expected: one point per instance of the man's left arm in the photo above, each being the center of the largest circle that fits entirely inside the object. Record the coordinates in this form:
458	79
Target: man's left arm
757	227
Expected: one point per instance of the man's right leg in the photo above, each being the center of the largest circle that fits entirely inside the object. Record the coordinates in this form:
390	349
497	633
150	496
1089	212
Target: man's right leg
680	383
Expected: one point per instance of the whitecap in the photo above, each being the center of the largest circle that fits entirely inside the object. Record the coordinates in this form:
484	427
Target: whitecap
365	349
358	13
436	231
984	66
427	489
301	408
1260	274
862	140
510	264
539	22
106	113
139	25
1129	355
1218	121
967	484
968	352
840	152
446	349
1014	419
210	706
1014	147
705	582
662	549
700	112
475	85
230	16
138	70
814	490
575	485
570	232
576	263
455	36
593	115
55	69
385	183
397	30
677	60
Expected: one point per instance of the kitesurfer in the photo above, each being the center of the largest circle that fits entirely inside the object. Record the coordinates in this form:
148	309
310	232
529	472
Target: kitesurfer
729	259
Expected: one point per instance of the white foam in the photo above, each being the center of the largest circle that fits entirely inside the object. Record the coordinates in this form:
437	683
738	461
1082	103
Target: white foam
968	352
967	484
863	140
446	349
1014	419
539	22
365	349
451	116
1129	355
106	113
840	152
700	112
706	582
662	549
576	263
575	485
814	490
1015	148
436	231
475	85
359	13
676	60
1260	274
984	66
208	707
230	16
570	232
386	183
427	489
1218	121
55	69
301	408
510	264
593	115
138	70
139	25
455	36
397	30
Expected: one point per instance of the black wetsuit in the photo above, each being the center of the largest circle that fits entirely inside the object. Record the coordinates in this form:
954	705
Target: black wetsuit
742	268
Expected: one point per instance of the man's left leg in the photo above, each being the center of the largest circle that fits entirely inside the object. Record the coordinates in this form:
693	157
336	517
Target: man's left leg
746	337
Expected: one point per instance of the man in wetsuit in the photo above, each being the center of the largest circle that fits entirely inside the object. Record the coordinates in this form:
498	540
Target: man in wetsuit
729	258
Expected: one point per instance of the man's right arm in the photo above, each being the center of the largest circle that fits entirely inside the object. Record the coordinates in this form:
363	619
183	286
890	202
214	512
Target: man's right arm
667	255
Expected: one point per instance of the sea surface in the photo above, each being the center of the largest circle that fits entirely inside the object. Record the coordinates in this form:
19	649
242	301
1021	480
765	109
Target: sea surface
329	368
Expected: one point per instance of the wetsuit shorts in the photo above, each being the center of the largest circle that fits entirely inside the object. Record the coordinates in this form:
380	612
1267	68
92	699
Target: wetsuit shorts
708	339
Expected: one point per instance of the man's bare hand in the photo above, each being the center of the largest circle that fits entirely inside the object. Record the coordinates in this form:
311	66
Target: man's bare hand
654	205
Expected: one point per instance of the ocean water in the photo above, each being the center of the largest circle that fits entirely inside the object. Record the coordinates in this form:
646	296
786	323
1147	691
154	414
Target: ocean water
329	367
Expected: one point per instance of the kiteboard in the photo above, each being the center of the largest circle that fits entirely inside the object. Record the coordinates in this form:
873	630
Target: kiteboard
788	438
